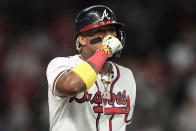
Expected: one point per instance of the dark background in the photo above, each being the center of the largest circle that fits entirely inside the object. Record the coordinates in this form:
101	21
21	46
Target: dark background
160	50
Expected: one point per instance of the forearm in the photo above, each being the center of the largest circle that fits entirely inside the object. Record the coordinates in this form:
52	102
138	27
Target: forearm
70	84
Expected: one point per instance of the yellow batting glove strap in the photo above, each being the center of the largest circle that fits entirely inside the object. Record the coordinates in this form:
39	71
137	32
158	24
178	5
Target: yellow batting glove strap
86	73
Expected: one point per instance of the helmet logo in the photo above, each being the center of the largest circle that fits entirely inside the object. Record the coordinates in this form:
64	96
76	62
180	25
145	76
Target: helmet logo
105	14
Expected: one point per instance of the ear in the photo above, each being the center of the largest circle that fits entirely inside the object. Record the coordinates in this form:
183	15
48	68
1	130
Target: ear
82	40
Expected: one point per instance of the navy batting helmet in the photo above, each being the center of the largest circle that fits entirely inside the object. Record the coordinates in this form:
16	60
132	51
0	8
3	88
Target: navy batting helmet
96	16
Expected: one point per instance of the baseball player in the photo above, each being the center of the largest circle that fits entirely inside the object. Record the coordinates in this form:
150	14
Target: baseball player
87	92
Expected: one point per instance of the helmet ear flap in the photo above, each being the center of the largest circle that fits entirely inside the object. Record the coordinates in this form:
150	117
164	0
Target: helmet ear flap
121	35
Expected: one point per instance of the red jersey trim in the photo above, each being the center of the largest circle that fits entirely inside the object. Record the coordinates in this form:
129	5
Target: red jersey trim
56	80
110	122
118	76
99	113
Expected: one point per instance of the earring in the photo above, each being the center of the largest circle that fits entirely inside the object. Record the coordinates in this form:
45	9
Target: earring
78	46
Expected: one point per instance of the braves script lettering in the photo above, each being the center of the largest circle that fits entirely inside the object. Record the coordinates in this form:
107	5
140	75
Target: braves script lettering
120	98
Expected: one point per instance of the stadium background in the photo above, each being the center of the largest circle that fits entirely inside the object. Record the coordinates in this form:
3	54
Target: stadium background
160	50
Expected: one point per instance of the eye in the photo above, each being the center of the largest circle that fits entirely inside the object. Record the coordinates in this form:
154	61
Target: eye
112	30
96	32
99	31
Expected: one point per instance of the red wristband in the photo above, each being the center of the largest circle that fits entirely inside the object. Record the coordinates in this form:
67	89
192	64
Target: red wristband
98	59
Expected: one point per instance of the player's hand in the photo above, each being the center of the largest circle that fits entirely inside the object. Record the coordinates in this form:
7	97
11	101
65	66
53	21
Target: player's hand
111	45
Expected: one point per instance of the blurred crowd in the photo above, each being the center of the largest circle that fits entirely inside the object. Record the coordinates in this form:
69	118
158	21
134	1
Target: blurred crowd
160	50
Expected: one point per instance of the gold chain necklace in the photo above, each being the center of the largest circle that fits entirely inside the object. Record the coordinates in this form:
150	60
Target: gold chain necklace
107	79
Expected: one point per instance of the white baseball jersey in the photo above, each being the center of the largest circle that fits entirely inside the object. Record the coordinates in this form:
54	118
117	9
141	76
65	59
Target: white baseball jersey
88	111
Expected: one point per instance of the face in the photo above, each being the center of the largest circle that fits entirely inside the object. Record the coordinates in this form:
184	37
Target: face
87	36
